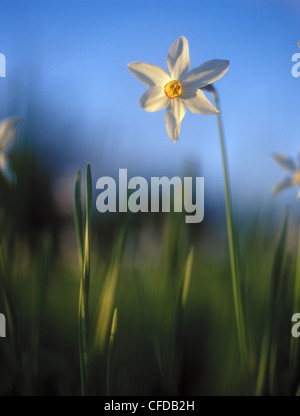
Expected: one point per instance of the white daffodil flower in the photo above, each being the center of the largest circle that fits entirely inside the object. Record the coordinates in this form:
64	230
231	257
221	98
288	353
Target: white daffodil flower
287	164
7	134
179	88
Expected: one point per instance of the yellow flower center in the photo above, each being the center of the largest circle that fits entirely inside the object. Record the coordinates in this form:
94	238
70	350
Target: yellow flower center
173	89
296	178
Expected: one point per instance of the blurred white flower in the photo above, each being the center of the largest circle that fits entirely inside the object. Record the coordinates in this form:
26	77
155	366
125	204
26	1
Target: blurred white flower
294	168
7	134
179	88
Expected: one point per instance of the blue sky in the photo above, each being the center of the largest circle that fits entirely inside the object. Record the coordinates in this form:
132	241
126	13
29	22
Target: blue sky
67	71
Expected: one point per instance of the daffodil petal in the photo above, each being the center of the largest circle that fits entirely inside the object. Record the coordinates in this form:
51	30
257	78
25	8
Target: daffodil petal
175	112
196	102
178	58
3	162
150	75
206	73
284	162
284	184
5	168
154	99
7	131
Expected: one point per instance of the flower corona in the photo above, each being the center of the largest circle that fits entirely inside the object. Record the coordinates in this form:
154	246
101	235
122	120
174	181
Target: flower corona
296	178
173	89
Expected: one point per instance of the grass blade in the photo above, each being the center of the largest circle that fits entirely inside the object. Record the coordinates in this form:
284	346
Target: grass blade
78	217
84	263
269	336
112	340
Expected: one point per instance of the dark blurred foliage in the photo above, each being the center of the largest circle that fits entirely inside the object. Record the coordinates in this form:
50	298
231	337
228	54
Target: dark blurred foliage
28	203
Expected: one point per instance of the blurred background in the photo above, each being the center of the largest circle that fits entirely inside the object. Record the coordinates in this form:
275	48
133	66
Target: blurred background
67	80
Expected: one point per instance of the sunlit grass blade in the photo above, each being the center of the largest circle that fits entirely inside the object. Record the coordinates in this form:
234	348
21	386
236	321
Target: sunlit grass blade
107	298
187	278
112	340
86	261
87	231
106	307
262	364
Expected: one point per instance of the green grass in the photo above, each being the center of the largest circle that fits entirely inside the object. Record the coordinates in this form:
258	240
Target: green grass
143	304
160	308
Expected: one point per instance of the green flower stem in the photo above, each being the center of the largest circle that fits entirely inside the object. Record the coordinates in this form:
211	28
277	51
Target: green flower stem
238	307
83	240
